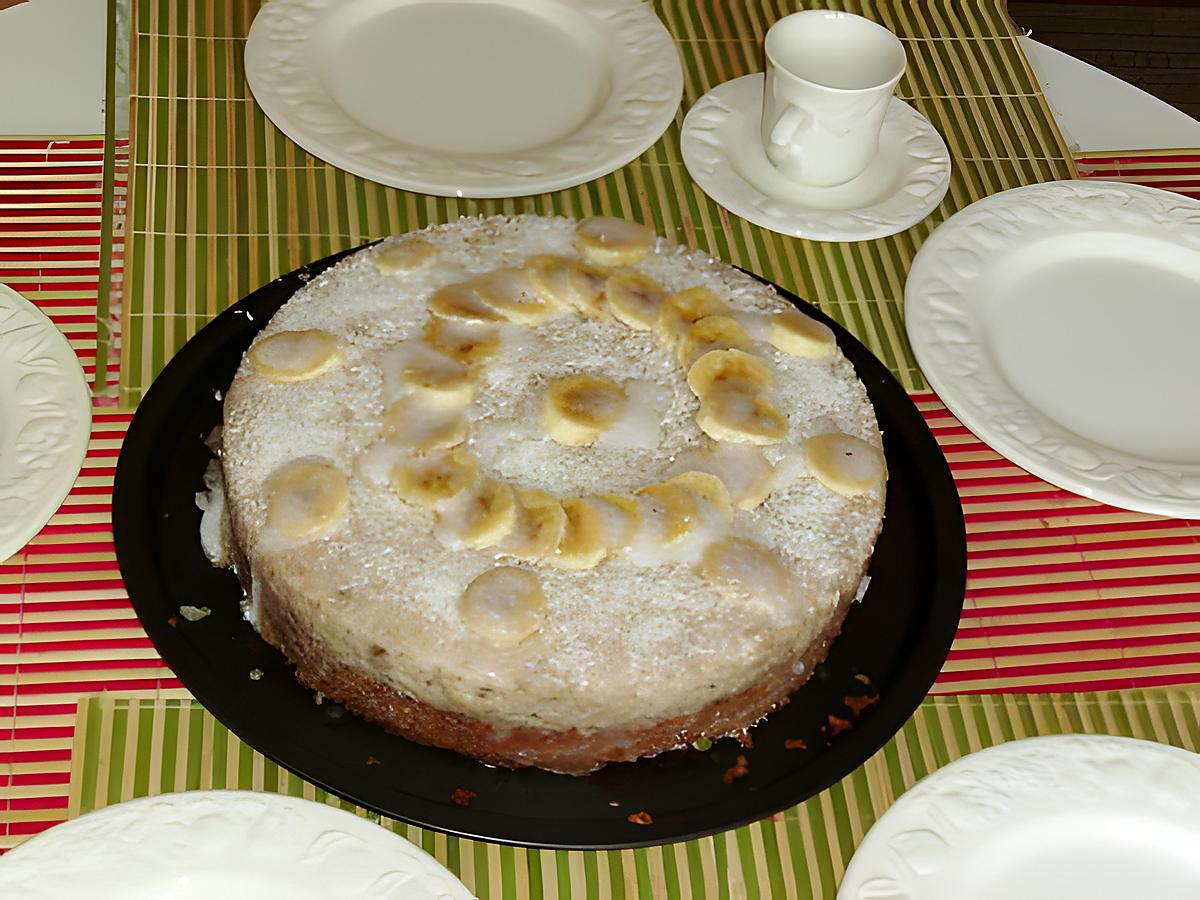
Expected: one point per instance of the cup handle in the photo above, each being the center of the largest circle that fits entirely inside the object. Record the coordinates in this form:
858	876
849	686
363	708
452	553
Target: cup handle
787	125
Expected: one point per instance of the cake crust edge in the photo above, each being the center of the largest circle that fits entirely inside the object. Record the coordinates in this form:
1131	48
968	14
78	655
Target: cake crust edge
570	752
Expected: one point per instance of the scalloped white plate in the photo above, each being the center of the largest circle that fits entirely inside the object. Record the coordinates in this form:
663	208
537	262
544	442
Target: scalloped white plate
235	845
45	420
723	152
1061	323
1045	818
467	99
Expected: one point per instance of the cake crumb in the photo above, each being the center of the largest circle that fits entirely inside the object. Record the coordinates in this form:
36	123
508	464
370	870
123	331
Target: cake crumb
194	613
372	761
858	704
795	744
613	803
256	674
640	818
173	621
838	725
737	770
745	739
463	797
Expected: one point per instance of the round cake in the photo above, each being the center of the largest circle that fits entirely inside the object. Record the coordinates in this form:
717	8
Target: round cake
545	492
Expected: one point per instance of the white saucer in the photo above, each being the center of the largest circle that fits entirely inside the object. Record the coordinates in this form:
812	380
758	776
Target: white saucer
723	152
496	99
1106	818
45	420
1059	322
233	845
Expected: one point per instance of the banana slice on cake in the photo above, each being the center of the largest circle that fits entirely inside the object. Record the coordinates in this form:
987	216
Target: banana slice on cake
721	368
504	605
746	569
568	282
730	385
712	333
634	298
800	335
669	512
405	255
577	409
415	423
609	241
622	519
740	415
583	543
465	341
511	293
709	489
541	522
306	498
417	367
482	516
289	356
742	468
845	464
460	301
434	478
679	311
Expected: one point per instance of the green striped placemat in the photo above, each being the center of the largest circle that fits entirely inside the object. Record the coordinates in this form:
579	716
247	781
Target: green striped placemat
221	202
133	746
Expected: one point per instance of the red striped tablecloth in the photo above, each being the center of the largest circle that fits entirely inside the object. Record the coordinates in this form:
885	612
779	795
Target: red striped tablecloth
1063	593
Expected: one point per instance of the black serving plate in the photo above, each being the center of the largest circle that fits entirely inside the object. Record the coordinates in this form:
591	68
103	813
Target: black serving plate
894	642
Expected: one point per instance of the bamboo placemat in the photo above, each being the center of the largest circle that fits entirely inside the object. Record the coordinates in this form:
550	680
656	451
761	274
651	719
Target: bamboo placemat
1063	593
59	246
1167	170
133	747
222	202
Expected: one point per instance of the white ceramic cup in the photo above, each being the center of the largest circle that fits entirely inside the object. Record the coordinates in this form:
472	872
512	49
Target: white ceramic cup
830	76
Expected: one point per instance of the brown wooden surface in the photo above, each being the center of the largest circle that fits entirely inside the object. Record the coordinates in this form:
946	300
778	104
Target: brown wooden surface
1155	46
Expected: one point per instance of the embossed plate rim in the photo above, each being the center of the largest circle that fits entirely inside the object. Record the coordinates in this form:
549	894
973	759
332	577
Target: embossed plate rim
940	324
916	835
647	85
70	402
191	833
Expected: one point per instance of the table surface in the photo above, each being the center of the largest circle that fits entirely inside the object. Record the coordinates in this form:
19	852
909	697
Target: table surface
1063	593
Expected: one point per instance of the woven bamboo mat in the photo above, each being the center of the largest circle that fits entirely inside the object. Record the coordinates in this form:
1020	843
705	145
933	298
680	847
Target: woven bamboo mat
222	202
1177	170
1063	593
133	747
57	243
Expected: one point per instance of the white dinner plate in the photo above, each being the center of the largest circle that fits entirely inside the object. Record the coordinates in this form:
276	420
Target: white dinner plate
467	99
723	151
1061	323
232	845
1046	818
45	420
